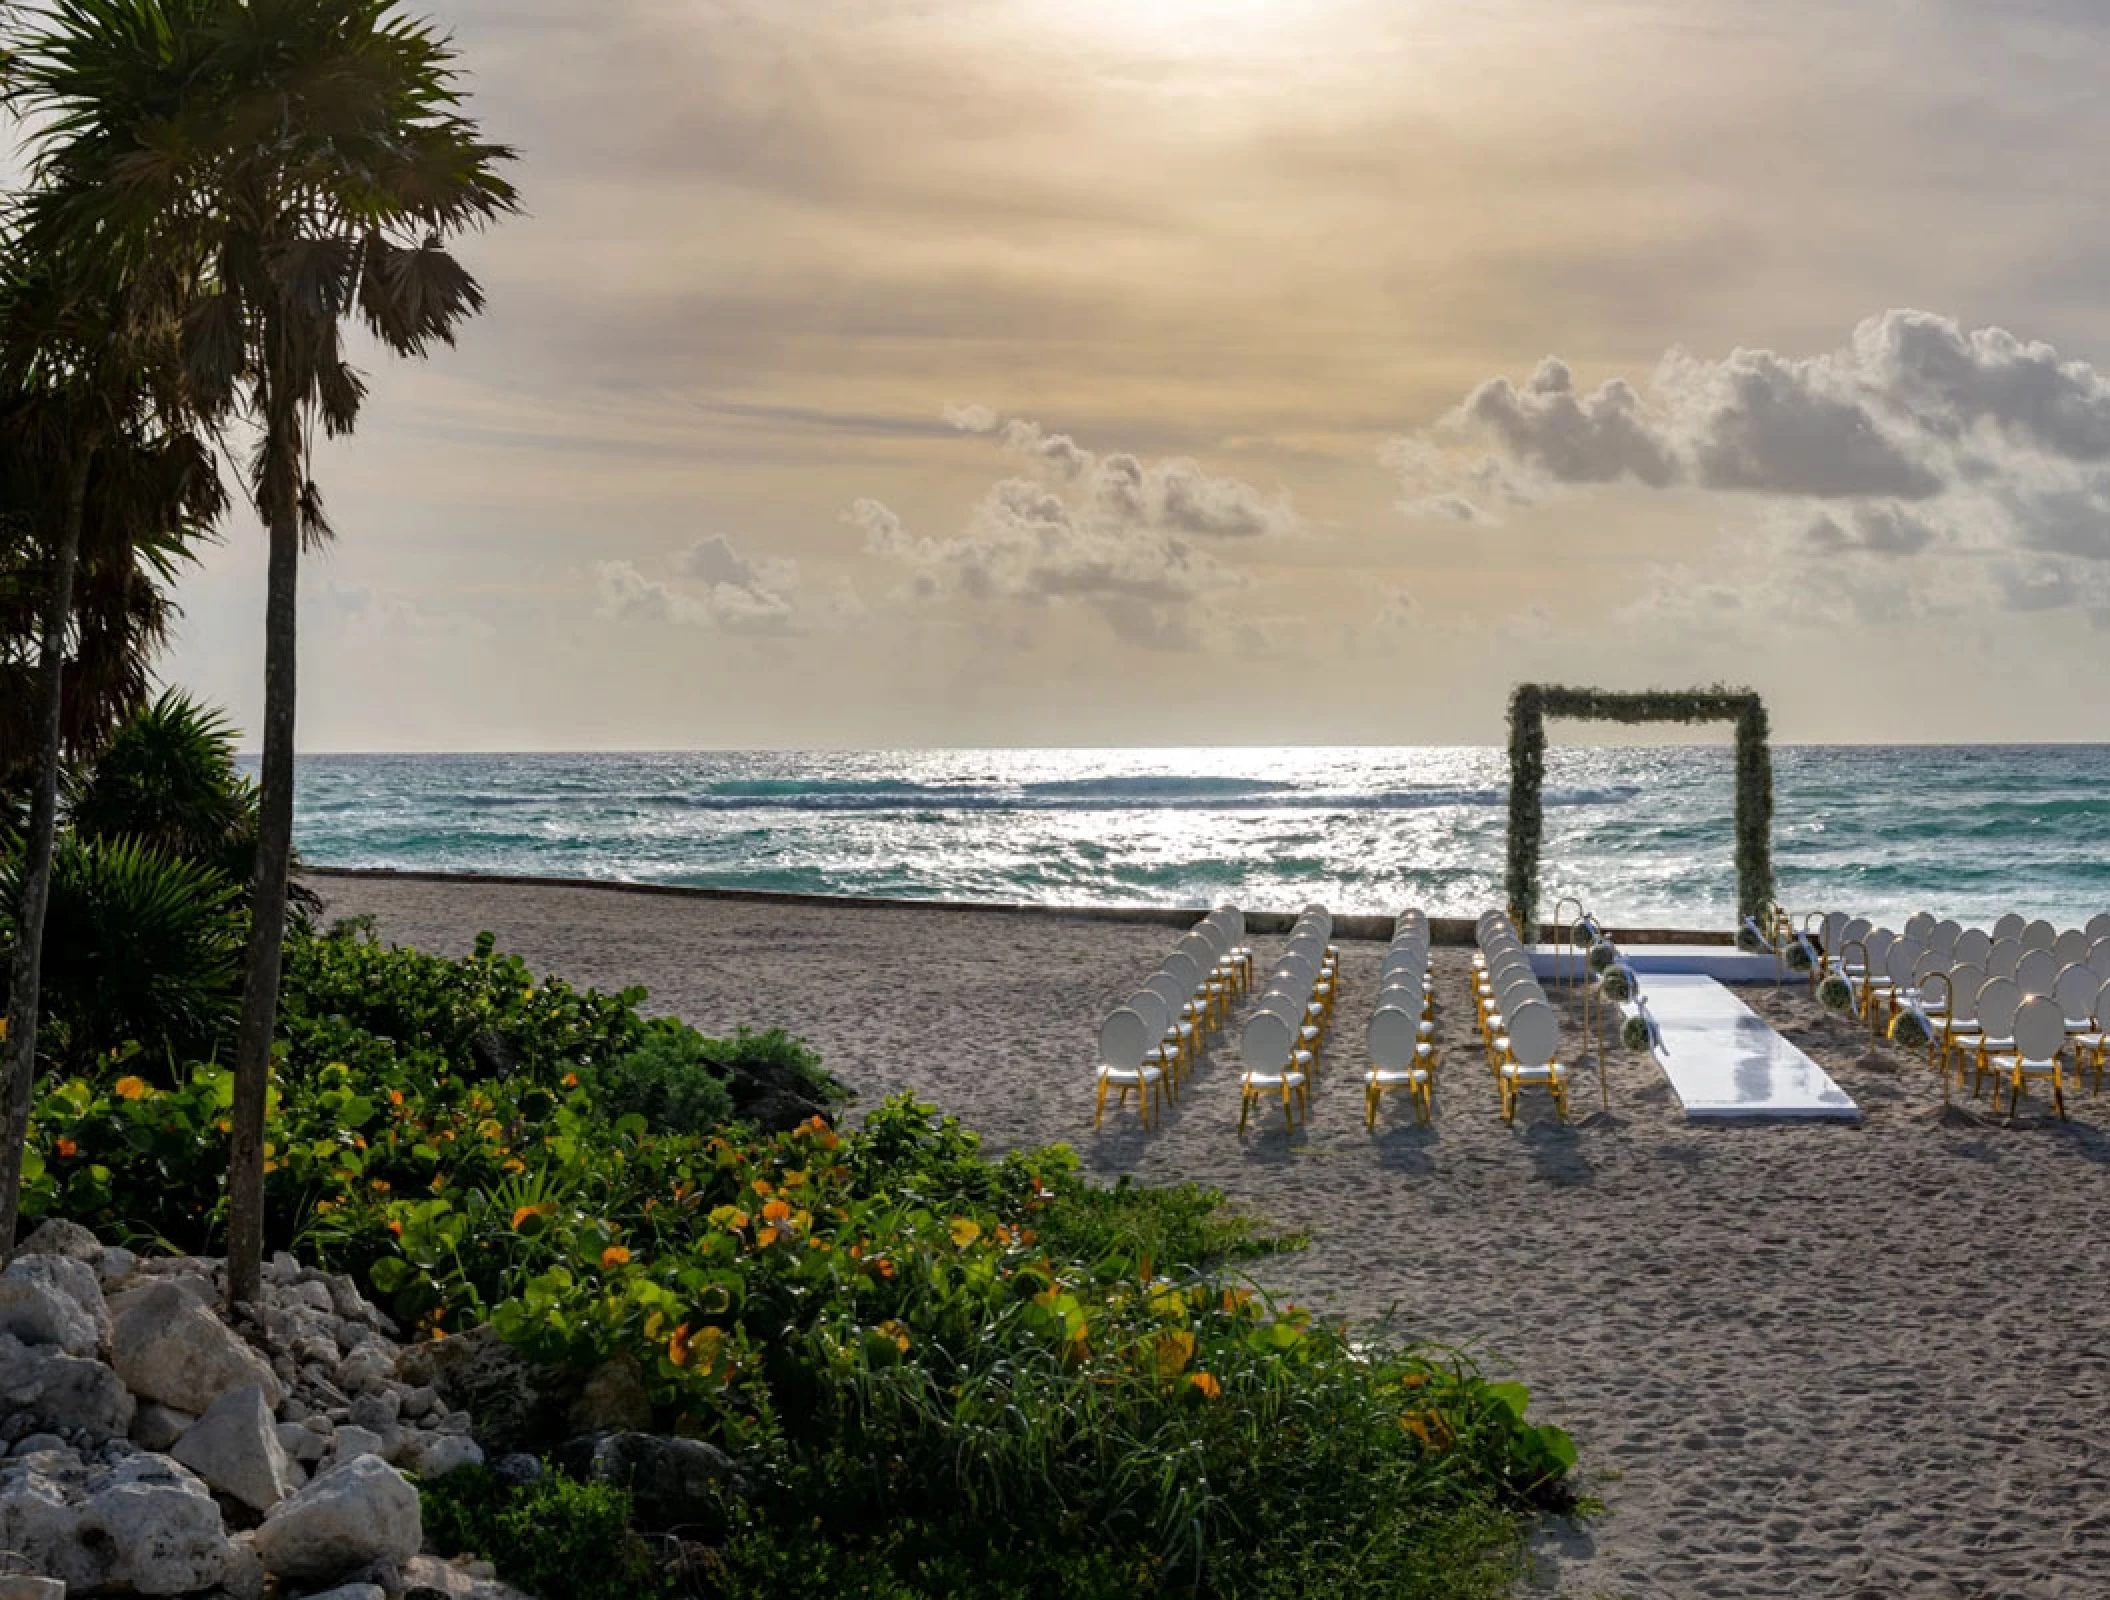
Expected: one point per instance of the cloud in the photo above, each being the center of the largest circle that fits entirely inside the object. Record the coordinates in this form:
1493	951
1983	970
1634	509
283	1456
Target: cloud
1882	527
1917	432
720	590
1127	539
1173	494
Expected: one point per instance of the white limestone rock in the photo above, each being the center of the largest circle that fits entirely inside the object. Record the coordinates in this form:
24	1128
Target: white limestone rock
156	1426
41	1529
429	1578
59	1392
352	1591
168	1347
304	1444
359	1512
351	1441
442	1453
76	1280
159	1526
38	1314
235	1448
116	1265
365	1370
58	1237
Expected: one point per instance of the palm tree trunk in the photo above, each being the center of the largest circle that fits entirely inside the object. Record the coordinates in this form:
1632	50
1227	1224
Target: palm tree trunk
26	976
267	908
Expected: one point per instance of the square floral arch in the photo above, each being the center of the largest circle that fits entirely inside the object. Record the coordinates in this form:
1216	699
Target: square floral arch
1530	704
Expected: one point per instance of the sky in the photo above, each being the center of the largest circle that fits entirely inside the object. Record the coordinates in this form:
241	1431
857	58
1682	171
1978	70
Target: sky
1161	372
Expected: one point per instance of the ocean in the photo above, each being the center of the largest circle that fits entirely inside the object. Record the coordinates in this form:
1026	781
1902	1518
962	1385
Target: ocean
1641	835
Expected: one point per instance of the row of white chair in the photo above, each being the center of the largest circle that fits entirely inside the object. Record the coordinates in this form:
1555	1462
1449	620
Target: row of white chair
1282	1039
1149	1044
1988	1004
2000	950
1518	1025
1403	1025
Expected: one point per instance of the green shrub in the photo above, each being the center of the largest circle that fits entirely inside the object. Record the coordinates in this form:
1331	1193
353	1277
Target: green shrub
774	1053
944	1373
670	1079
168	779
557	1538
138	948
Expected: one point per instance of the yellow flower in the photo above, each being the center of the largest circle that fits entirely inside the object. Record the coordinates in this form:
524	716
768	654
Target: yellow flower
1207	1384
130	1088
894	1331
614	1256
965	1230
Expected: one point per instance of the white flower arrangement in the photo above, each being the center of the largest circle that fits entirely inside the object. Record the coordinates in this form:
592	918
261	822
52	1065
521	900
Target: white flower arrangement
1911	1029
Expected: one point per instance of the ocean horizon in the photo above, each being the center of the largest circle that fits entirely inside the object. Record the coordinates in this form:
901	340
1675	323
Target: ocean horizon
1641	833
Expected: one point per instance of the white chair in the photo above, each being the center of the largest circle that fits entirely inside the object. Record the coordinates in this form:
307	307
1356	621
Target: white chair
2092	1046
2037	971
1943	939
1273	1065
1972	948
1124	1042
1960	1031
1531	1040
2005	957
2098	926
1399	1058
2071	946
2099	956
2039	1036
2010	927
1998	1002
2039	935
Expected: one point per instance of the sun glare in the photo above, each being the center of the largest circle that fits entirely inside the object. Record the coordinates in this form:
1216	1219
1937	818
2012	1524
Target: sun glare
1183	27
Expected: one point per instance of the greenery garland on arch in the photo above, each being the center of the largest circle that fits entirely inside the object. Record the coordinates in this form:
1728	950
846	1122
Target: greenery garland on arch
1530	704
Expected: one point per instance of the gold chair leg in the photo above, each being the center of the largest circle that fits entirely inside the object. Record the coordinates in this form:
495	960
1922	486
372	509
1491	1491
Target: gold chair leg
1099	1111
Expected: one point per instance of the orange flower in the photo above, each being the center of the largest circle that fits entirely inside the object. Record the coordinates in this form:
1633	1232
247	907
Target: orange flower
527	1214
614	1256
395	1097
571	1080
395	1227
67	1148
1207	1384
794	1178
776	1211
130	1088
762	1188
678	1346
894	1331
882	1266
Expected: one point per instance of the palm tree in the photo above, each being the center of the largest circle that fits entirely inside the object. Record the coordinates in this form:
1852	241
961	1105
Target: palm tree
83	463
285	166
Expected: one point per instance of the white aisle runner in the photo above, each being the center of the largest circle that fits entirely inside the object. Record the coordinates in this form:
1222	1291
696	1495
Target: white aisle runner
1725	1062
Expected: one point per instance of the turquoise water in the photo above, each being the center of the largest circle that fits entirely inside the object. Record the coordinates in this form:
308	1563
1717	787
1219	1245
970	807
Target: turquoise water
1642	834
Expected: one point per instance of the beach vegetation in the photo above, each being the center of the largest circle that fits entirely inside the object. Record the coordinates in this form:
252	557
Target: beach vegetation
263	248
937	1370
99	496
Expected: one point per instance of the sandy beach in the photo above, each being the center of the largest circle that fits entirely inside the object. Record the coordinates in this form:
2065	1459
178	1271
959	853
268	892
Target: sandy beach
1799	1360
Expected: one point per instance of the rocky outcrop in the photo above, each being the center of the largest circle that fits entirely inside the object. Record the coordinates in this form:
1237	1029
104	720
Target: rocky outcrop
234	1447
141	1437
168	1347
362	1513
